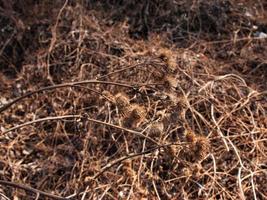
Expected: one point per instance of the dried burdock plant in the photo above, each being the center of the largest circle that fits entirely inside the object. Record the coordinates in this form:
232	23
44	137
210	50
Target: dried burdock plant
128	169
202	147
122	100
109	96
195	170
169	57
74	139
170	82
135	116
173	151
156	129
198	148
190	136
138	112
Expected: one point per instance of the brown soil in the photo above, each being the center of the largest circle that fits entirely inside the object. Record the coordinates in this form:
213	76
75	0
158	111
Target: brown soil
133	99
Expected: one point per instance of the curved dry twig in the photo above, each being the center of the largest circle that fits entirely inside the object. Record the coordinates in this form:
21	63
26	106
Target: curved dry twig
72	84
30	189
78	116
133	155
40	120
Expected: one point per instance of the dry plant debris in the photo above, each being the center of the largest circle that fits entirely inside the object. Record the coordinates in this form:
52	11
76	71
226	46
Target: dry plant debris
133	99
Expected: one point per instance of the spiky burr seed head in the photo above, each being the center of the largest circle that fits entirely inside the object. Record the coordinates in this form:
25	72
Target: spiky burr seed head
190	136
170	82
201	147
136	115
168	56
125	111
173	150
127	168
122	100
138	112
108	95
156	129
198	145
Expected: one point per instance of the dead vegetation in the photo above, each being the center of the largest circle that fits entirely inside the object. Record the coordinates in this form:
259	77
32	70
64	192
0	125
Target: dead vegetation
133	100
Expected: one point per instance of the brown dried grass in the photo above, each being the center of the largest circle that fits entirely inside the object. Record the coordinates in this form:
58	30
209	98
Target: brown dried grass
167	122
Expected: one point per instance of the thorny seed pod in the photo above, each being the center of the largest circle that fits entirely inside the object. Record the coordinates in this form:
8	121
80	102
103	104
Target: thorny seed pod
122	100
198	147
193	170
136	115
183	107
138	112
123	103
127	168
190	136
173	150
173	97
182	103
108	95
126	111
170	82
168	56
197	170
156	129
187	172
202	146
